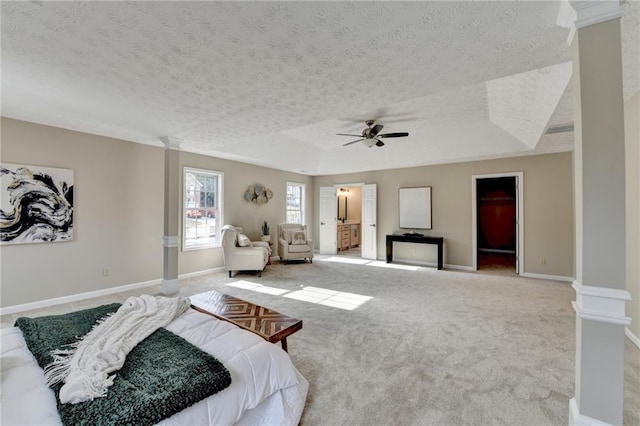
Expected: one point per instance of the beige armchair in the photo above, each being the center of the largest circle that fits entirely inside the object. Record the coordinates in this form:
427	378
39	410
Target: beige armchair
294	245
251	257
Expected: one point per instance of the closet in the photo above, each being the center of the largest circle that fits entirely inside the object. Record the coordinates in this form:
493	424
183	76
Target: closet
497	213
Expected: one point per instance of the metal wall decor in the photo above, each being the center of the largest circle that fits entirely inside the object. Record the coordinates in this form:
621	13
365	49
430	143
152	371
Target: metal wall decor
258	194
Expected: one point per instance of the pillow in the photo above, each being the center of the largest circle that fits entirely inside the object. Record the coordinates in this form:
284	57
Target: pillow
298	237
244	241
287	234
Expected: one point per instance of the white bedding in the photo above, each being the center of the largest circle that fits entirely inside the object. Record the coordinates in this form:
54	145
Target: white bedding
265	386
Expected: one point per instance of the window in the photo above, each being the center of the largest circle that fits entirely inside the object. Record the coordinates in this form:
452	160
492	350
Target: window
202	208
295	203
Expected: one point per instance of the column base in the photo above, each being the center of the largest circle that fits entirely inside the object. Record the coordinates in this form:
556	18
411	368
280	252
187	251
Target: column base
577	419
170	287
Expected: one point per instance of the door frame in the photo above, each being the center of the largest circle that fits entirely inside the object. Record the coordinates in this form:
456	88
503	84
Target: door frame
519	217
336	186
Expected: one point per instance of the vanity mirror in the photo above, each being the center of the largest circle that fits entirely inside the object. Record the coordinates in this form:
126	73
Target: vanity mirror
342	208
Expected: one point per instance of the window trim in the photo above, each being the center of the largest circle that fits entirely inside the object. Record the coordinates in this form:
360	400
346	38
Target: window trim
219	208
303	196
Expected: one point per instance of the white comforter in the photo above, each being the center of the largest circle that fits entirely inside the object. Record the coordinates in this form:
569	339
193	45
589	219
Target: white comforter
265	386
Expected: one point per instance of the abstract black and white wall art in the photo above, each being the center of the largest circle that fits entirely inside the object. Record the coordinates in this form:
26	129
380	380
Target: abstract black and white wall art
36	204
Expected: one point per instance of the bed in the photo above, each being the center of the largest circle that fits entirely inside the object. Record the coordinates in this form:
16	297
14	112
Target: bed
265	386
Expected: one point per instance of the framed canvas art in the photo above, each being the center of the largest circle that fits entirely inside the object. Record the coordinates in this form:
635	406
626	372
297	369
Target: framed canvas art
415	207
36	204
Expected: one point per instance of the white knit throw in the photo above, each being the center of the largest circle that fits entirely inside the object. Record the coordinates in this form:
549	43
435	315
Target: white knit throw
85	367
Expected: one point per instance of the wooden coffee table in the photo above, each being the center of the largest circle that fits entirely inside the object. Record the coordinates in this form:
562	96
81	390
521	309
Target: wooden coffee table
266	323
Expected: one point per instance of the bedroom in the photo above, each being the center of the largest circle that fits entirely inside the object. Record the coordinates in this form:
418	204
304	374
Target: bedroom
118	214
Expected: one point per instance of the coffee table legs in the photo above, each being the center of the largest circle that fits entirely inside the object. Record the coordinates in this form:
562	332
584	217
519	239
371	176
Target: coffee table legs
283	342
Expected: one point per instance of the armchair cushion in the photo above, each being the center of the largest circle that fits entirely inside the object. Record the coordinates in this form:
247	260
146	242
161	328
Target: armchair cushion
287	234
243	241
299	248
298	237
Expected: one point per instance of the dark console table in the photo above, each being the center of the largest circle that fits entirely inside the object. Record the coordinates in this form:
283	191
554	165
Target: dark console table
413	239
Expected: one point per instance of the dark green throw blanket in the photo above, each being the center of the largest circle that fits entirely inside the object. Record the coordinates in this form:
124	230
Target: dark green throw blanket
161	376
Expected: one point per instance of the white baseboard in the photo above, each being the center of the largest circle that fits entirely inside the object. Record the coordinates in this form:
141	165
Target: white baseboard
547	277
198	273
76	297
632	337
459	267
91	294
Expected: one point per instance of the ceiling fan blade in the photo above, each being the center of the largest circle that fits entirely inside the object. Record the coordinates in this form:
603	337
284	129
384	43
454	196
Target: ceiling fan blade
347	134
379	143
393	135
349	143
376	129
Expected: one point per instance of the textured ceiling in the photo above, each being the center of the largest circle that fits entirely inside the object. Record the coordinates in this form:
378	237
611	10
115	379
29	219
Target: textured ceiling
271	83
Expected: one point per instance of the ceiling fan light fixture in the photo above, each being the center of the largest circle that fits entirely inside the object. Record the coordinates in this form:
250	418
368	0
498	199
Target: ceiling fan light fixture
370	135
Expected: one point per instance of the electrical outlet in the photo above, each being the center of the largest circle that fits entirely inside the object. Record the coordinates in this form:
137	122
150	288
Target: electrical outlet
106	272
543	260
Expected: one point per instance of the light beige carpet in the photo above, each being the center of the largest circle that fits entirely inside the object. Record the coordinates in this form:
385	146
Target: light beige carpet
430	347
418	346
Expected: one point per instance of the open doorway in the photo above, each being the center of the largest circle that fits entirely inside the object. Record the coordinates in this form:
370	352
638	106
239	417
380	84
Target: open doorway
497	223
349	214
363	229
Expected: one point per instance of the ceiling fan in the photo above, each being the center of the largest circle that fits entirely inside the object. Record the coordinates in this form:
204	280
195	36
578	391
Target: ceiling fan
371	135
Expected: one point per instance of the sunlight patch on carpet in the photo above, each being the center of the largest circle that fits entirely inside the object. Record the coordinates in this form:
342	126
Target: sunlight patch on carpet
326	297
247	285
369	262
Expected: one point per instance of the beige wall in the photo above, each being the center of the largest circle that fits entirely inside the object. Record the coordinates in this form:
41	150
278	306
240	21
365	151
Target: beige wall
237	211
118	212
548	207
118	215
632	167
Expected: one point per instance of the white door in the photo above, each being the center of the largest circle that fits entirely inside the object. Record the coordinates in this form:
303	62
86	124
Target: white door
328	220
369	221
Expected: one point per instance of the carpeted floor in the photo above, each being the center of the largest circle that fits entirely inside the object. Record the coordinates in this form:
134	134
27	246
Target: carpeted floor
394	344
428	347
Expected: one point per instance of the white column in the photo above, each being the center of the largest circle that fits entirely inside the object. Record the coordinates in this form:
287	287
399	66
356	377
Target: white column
170	240
600	214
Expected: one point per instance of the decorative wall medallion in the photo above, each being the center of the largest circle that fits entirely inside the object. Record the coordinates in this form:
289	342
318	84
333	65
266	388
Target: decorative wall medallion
258	194
36	204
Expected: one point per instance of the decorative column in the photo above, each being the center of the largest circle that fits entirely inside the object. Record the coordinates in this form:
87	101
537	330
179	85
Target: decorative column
600	214
170	240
